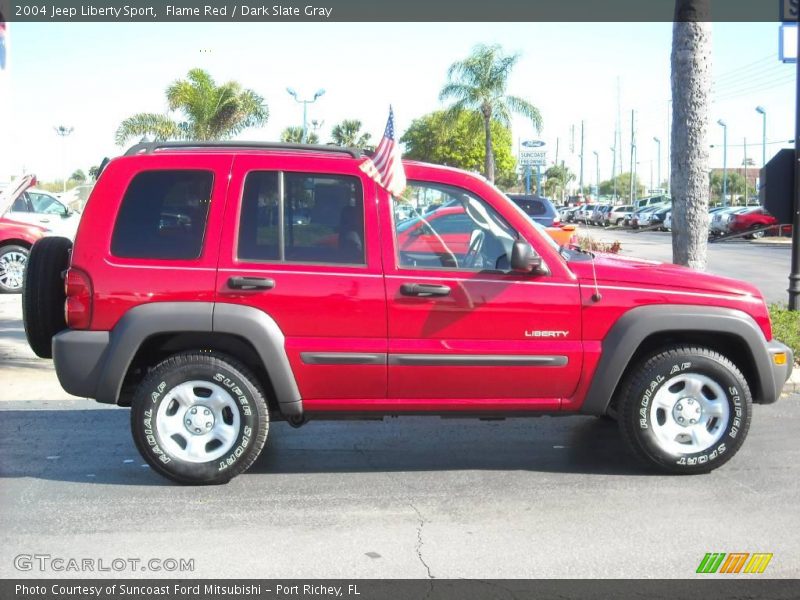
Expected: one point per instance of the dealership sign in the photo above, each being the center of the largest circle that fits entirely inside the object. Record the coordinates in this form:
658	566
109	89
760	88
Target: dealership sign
532	154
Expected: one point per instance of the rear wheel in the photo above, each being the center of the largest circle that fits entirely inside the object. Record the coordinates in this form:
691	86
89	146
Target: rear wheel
200	418
12	268
685	410
43	293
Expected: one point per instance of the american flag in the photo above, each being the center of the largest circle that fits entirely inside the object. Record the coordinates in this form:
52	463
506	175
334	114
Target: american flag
2	43
385	166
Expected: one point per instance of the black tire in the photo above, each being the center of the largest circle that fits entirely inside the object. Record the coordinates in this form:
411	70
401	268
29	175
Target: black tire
43	293
154	401
660	377
10	258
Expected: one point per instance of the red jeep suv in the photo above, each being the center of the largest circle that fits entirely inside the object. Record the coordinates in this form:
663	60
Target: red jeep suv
215	287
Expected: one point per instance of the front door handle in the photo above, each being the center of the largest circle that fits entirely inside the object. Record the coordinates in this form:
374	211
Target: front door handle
251	283
424	290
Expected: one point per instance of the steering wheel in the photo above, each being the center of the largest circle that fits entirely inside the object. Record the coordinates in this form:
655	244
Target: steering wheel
474	250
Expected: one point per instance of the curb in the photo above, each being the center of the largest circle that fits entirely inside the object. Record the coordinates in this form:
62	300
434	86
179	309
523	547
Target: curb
792	385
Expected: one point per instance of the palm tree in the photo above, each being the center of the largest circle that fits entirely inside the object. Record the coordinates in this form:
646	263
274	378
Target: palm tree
558	178
348	134
478	84
294	135
207	111
691	95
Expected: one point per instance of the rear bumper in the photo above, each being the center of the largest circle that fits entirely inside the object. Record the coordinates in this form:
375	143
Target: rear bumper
780	373
79	357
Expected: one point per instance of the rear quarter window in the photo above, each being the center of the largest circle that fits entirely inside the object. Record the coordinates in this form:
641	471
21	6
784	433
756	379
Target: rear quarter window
163	215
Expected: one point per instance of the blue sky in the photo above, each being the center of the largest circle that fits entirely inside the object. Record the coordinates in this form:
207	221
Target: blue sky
91	76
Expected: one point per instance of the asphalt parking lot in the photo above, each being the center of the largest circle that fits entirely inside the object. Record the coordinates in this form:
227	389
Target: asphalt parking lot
766	265
409	498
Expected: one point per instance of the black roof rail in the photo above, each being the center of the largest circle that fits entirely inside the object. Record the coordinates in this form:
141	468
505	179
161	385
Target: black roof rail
150	147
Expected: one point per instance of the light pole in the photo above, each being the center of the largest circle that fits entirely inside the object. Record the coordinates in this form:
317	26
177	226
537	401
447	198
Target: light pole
614	168
64	132
305	104
581	177
724	126
658	164
763	112
597	179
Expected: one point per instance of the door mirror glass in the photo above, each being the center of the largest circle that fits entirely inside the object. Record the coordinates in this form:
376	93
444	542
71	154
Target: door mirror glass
524	259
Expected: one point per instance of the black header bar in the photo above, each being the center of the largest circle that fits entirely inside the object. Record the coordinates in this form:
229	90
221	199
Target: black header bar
149	11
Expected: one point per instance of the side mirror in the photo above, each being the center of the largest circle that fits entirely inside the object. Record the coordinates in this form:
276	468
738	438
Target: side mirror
524	259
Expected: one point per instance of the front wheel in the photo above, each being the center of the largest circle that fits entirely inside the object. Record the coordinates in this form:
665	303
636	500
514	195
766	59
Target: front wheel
685	410
199	418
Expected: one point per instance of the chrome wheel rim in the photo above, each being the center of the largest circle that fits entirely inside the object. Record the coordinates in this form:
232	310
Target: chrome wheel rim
12	269
198	421
689	414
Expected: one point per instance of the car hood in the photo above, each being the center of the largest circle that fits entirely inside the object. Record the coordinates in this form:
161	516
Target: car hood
13	191
612	269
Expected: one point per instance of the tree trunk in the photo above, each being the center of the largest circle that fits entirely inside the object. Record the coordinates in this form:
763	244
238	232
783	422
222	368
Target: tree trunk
487	127
691	91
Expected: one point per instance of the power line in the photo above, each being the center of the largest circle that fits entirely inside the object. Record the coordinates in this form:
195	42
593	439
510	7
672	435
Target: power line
783	142
759	87
739	70
759	78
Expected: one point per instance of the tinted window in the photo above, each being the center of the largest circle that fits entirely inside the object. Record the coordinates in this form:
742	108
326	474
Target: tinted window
20	205
259	220
323	219
163	215
532	207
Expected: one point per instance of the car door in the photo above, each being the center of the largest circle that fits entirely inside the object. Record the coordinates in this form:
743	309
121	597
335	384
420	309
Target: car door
302	230
466	333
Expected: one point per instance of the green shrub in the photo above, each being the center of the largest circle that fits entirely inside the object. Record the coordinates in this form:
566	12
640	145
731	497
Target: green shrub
786	327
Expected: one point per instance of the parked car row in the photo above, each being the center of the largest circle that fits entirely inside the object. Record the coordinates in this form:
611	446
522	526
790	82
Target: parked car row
658	216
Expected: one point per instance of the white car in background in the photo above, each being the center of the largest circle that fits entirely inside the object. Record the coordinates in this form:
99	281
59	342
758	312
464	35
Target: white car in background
39	207
721	219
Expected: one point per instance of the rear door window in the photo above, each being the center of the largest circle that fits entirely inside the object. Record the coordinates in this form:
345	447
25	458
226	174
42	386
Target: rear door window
302	218
163	215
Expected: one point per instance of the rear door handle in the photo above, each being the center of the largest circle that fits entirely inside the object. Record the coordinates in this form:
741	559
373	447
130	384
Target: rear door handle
251	283
424	290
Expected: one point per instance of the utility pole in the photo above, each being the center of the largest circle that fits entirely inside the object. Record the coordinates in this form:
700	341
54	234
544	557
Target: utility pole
658	170
597	176
763	112
724	126
614	167
669	142
746	197
581	179
633	158
557	142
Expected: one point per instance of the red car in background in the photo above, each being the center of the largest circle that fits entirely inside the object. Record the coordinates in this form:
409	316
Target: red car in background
16	239
453	229
753	219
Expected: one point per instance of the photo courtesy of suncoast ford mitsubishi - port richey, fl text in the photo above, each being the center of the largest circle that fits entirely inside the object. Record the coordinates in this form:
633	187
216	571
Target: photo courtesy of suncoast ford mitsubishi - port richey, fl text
381	300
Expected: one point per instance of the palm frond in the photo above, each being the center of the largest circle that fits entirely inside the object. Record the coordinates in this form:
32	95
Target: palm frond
159	127
526	109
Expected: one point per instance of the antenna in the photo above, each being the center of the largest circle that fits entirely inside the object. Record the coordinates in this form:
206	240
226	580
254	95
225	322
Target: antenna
596	296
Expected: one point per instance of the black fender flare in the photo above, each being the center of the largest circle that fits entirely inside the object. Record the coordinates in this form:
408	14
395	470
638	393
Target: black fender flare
632	328
251	324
